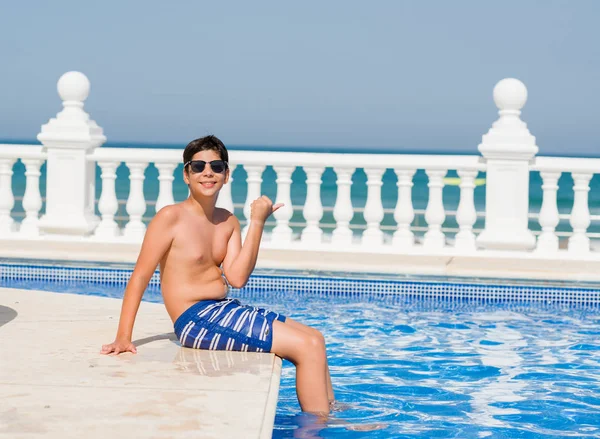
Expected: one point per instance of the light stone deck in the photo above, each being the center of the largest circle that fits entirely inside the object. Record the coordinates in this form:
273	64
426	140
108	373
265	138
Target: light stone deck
54	383
563	266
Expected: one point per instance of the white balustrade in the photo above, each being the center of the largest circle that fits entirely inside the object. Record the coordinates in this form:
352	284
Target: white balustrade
282	233
435	214
136	203
373	213
32	199
404	214
313	208
165	184
225	201
343	210
108	205
580	215
71	149
7	199
466	214
253	181
549	217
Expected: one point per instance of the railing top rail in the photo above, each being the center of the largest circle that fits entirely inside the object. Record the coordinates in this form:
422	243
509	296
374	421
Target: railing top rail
142	155
305	159
353	160
21	151
566	164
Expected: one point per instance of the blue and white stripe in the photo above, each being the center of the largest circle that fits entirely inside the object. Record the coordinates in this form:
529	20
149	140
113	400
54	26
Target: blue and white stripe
226	325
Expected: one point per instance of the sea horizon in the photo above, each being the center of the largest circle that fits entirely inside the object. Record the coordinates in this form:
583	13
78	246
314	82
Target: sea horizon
354	149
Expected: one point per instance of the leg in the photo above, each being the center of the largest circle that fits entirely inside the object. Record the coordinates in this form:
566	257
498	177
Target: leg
317	333
307	352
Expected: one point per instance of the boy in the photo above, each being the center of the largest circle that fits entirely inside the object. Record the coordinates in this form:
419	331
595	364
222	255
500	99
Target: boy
191	241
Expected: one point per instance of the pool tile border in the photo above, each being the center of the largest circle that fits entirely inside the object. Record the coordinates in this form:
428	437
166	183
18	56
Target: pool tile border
327	284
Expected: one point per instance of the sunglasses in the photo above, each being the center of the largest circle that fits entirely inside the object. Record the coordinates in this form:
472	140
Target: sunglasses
218	166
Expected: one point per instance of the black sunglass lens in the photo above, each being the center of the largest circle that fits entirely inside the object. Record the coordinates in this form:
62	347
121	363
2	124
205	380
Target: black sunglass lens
217	166
198	166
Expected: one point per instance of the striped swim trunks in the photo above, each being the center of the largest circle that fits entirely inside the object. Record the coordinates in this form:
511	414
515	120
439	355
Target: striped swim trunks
226	325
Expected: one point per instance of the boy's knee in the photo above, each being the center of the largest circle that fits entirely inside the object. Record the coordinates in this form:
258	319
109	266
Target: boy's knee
316	341
319	336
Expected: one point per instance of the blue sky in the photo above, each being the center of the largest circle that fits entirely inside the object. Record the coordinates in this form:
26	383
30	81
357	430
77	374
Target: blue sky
398	75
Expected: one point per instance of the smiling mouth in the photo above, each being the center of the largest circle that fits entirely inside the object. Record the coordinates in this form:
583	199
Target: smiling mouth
208	183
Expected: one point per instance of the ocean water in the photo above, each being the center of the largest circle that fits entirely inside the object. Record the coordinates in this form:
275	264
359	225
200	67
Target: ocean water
420	193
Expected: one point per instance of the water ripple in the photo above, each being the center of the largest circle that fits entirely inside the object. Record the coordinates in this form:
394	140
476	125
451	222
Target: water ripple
472	373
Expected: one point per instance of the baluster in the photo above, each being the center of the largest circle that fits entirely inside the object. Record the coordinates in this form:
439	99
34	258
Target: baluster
165	185
373	212
7	199
253	182
225	201
136	203
549	219
343	210
32	200
580	215
466	215
435	214
282	233
313	208
108	205
404	214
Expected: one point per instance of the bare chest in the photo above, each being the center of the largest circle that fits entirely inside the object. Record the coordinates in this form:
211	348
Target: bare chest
201	243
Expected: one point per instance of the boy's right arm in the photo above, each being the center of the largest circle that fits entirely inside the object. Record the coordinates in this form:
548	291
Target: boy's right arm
157	240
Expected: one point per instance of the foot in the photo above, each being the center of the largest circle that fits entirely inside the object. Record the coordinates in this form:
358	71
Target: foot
336	406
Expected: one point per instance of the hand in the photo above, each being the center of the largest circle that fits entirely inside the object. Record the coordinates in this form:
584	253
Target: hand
118	346
262	208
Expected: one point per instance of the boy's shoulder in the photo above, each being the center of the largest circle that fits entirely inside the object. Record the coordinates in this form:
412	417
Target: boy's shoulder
225	215
169	214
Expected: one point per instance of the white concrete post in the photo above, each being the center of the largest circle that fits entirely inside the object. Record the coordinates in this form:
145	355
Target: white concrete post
225	200
373	213
466	215
70	180
32	200
254	182
404	214
435	214
549	217
165	185
136	203
282	232
580	220
313	207
108	205
507	148
343	210
7	199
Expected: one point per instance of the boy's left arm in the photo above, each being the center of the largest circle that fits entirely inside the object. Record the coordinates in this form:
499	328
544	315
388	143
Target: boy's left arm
240	260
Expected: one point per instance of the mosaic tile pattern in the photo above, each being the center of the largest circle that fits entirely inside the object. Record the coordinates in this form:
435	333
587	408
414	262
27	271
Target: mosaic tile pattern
109	276
327	285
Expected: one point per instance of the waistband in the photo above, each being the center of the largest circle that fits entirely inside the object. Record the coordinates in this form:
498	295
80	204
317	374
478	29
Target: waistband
194	310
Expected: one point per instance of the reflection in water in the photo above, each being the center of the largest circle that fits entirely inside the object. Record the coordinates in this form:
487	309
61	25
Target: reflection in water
501	352
308	425
218	363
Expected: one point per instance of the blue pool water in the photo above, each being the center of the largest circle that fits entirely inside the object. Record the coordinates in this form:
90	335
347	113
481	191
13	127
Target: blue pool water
425	368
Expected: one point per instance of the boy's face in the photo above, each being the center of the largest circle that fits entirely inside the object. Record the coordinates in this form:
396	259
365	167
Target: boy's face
206	182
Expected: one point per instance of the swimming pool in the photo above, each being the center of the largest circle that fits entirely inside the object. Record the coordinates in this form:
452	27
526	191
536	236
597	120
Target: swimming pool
443	359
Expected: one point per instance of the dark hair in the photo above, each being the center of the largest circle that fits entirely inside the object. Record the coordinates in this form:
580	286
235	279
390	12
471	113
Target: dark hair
204	144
